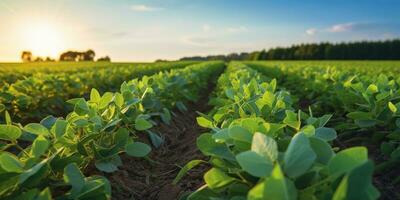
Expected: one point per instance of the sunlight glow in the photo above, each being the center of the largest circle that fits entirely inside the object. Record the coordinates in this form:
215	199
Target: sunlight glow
43	38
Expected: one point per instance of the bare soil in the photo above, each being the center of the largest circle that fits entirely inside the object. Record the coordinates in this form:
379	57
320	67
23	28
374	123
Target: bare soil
152	179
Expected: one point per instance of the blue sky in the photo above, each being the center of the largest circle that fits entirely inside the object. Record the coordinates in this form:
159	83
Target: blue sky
138	30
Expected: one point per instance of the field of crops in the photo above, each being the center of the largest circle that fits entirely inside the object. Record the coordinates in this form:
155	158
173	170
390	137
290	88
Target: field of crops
201	130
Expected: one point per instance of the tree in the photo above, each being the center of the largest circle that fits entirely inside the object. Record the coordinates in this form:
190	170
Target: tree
78	56
108	59
26	56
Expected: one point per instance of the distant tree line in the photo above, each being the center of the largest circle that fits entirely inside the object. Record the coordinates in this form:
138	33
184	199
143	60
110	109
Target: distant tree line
72	56
363	50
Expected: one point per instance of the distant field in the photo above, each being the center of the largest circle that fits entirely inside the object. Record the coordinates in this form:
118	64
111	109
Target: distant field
10	72
266	129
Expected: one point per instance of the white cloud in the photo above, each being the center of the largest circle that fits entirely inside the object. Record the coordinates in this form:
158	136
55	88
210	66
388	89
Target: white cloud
197	41
145	8
206	27
311	31
239	29
341	27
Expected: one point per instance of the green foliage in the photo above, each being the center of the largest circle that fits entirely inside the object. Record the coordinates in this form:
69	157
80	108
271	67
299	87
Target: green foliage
258	142
96	132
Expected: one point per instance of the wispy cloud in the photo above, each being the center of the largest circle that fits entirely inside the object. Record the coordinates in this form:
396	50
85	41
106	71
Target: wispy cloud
239	29
145	8
361	27
197	41
311	31
337	28
206	27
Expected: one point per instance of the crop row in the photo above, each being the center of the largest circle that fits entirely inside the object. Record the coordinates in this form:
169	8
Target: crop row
365	99
47	159
42	94
260	147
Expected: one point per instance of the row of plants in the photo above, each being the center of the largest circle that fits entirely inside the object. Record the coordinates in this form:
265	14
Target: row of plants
365	99
48	160
260	147
42	94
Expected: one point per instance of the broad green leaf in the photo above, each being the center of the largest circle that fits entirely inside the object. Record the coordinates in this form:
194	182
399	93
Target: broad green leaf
308	130
155	139
327	134
59	128
74	177
357	184
32	171
37	129
106	166
9	132
265	146
292	120
138	149
276	187
322	149
190	165
210	147
254	164
203	122
240	134
215	178
105	100
10	163
39	146
142	124
81	107
348	159
299	156
95	96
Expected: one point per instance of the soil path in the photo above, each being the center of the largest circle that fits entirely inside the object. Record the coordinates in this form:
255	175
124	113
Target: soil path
142	179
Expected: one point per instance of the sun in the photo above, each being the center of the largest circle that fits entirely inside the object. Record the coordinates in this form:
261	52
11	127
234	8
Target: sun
43	38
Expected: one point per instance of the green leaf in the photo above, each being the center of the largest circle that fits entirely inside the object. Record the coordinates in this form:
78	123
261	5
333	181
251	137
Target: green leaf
37	129
392	107
74	177
138	149
215	178
44	195
59	128
292	120
32	171
372	89
155	139
358	115
299	156
203	122
265	146
39	146
240	134
166	116
274	187
81	107
357	184
2	107
95	96
9	132
348	159
322	149
142	124
106	166
10	163
105	100
254	164
190	165
327	134
209	147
